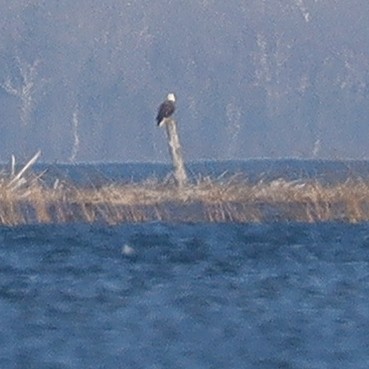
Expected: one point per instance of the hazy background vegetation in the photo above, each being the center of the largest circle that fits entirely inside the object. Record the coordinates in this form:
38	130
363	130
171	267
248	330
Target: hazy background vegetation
81	80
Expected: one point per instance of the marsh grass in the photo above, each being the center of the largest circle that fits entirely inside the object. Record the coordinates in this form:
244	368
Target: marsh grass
207	200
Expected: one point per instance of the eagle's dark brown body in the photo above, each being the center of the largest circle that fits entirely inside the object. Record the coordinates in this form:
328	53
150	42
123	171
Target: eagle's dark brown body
166	109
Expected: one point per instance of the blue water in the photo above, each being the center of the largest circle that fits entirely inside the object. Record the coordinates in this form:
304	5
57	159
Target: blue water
178	296
326	171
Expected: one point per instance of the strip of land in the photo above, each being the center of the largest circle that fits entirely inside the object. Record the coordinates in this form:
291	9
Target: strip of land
30	201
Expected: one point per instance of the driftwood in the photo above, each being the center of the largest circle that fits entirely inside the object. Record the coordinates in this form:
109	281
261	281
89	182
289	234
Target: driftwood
175	151
17	179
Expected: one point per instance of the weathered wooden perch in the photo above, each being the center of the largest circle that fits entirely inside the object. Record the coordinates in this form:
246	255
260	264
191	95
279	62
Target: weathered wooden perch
175	151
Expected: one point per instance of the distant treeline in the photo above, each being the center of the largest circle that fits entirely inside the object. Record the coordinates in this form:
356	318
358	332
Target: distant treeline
81	80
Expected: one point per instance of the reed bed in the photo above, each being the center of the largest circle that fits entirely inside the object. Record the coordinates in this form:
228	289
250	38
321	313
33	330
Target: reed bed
29	201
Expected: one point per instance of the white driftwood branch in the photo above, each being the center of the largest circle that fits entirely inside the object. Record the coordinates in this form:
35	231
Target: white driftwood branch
18	180
12	168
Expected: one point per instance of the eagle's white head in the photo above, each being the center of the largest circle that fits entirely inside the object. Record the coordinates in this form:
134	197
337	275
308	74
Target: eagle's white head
171	97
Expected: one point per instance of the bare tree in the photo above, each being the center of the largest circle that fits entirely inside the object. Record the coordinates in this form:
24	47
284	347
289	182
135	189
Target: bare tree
24	91
303	9
233	114
75	129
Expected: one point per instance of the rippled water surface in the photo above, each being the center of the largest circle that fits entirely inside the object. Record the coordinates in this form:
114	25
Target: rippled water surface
185	296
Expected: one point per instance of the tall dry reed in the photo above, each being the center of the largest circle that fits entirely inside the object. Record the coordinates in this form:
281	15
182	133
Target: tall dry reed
207	200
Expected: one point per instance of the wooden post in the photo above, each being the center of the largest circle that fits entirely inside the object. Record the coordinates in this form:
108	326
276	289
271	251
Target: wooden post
175	151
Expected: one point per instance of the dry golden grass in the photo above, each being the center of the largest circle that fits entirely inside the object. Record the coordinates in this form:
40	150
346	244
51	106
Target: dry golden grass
31	201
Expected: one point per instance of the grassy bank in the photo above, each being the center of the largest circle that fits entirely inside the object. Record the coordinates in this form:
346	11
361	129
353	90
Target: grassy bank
30	200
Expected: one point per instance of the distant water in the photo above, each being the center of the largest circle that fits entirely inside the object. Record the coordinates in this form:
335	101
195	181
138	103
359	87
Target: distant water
184	296
156	295
252	170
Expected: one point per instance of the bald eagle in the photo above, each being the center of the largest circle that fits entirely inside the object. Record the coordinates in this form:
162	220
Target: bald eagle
166	109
